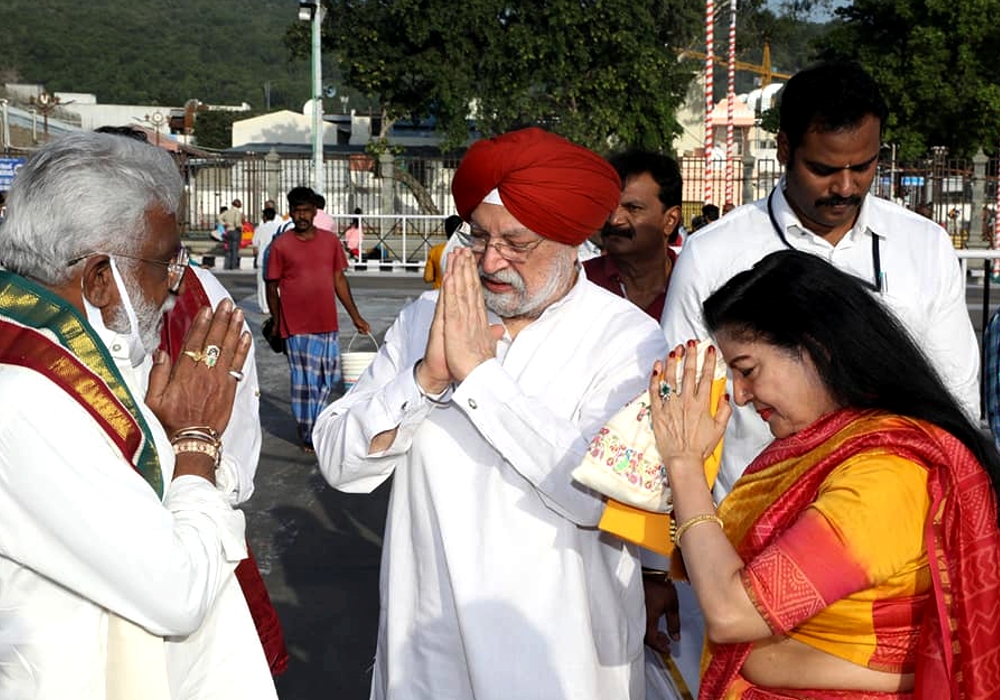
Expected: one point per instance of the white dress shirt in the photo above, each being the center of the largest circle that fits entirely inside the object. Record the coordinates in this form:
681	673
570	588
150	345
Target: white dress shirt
921	279
495	582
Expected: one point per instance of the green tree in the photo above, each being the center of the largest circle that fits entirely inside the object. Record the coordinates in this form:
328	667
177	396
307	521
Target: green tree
155	53
601	72
213	129
938	64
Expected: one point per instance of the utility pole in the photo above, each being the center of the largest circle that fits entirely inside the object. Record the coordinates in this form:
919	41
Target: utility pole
5	129
314	12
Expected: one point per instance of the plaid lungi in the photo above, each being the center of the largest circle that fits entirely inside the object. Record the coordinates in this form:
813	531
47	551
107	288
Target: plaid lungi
315	363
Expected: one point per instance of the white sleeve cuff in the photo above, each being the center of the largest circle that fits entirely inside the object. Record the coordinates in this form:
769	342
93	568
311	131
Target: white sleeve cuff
194	500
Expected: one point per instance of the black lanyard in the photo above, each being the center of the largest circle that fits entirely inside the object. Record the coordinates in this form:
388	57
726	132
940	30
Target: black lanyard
876	256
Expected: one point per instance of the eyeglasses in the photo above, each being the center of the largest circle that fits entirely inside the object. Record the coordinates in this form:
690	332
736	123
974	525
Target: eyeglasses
176	266
511	252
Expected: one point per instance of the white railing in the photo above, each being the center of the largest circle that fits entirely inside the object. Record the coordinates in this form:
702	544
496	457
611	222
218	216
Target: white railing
408	237
979	258
404	239
974	254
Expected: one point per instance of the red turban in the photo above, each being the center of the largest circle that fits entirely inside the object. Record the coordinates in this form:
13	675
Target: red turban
557	189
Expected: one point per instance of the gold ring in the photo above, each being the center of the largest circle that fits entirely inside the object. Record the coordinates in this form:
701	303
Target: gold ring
194	355
211	355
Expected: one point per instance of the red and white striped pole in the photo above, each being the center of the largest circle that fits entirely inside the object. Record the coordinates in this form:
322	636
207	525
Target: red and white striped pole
709	93
730	102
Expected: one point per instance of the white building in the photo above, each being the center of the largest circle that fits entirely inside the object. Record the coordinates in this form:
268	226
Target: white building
286	127
162	119
747	109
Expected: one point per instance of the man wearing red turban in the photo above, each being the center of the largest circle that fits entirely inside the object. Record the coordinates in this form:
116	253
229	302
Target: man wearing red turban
557	189
496	583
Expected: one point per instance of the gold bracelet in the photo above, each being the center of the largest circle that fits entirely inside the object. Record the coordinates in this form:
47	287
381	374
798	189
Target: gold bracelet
193	435
204	433
696	520
193	445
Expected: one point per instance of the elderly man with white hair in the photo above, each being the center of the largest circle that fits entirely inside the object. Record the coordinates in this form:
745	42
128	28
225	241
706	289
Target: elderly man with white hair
117	549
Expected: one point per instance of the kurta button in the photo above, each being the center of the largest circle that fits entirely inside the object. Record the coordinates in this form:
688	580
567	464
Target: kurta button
472	403
116	347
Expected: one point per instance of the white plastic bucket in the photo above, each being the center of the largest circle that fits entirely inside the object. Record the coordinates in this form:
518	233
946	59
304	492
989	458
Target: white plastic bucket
354	363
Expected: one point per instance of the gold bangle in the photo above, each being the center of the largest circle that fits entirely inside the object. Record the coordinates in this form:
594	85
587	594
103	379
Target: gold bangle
696	520
193	445
197	432
192	435
199	428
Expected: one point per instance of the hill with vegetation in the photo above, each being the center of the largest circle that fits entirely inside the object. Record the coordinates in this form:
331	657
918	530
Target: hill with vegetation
235	51
167	52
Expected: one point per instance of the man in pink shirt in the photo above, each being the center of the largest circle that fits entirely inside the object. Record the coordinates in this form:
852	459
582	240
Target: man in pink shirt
322	220
305	273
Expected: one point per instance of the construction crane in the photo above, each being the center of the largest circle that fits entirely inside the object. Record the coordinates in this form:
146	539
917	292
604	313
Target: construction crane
763	70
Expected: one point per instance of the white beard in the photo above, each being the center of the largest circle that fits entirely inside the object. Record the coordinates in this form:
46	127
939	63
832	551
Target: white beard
519	303
150	317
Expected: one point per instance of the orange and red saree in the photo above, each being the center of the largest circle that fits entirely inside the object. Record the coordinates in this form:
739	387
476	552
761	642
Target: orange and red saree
958	652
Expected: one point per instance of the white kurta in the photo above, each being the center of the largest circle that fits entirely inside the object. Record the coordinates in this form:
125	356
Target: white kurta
495	582
262	237
242	437
922	283
82	533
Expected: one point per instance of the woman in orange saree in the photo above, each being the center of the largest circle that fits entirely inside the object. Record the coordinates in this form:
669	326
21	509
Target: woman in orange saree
859	554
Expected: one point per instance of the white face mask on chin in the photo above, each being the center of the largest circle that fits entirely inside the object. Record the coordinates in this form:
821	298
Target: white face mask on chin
137	351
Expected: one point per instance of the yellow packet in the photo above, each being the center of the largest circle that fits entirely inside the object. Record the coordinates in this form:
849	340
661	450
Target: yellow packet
654	531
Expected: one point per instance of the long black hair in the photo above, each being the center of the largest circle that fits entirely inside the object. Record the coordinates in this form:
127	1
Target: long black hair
864	356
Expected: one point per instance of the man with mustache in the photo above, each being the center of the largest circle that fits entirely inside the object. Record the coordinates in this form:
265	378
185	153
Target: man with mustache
496	583
119	541
637	259
636	264
305	278
831	120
